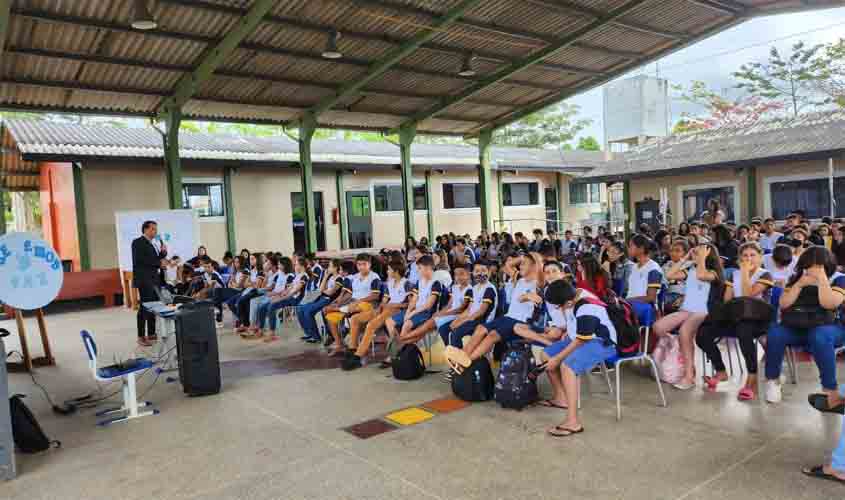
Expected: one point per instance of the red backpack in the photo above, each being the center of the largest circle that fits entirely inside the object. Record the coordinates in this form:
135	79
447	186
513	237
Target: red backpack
624	320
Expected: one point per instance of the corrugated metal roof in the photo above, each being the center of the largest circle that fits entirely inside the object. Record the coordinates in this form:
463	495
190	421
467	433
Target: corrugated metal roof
82	55
41	139
811	133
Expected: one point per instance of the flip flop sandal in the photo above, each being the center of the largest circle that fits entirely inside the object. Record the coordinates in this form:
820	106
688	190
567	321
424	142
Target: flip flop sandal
563	431
714	384
746	394
548	403
819	402
819	473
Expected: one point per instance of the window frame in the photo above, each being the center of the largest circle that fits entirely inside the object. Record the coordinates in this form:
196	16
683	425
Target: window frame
462	183
588	193
207	182
838	179
535	183
389	184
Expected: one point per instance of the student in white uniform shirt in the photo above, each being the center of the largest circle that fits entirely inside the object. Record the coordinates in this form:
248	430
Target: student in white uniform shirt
645	278
460	296
750	281
364	291
590	339
703	275
422	305
781	264
481	309
769	237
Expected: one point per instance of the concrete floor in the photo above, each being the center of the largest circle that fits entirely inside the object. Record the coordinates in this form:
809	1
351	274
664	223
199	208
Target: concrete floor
279	437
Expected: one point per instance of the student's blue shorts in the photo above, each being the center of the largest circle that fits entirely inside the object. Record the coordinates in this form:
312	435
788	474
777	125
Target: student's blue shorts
585	357
504	327
645	312
416	320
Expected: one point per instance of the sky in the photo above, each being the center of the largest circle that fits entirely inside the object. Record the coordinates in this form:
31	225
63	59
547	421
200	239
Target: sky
695	62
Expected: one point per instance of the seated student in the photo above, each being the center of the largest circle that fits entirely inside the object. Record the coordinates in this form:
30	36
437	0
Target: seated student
442	272
235	285
590	339
460	297
780	263
365	287
616	264
186	280
545	333
510	275
208	282
171	272
674	295
422	304
240	304
703	276
461	250
316	271
750	281
394	301
815	286
278	271
196	261
549	255
645	278
330	286
522	304
590	276
290	296
413	275
481	309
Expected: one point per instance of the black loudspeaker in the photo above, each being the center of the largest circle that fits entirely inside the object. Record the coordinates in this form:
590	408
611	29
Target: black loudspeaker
196	349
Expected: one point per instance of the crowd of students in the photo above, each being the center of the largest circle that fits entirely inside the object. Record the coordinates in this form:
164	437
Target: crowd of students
552	290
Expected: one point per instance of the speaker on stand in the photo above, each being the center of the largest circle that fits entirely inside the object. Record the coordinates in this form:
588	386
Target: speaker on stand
196	349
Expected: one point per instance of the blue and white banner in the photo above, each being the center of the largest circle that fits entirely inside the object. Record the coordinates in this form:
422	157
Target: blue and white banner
31	273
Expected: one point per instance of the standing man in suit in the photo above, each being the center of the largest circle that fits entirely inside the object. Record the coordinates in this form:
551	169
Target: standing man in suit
148	257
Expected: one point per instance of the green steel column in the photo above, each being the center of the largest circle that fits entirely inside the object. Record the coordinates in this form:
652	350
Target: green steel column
229	207
558	204
485	139
307	127
341	209
173	118
429	209
2	210
752	193
81	222
406	138
629	213
499	202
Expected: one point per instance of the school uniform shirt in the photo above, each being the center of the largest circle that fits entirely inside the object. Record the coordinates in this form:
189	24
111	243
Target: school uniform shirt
459	296
280	281
295	279
768	242
333	287
696	292
587	321
643	278
213	277
521	311
779	273
761	276
364	285
317	272
413	273
424	290
675	287
443	277
480	295
398	291
470	256
567	246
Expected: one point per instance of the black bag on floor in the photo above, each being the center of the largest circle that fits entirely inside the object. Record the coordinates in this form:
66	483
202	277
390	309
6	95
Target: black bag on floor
29	437
408	363
515	386
475	383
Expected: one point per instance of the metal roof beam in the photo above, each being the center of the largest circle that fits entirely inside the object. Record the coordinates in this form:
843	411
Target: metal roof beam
91	58
378	68
306	25
567	7
98	24
722	6
214	57
532	59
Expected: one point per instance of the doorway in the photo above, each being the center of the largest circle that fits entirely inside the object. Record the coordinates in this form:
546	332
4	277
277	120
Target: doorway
359	219
298	215
551	210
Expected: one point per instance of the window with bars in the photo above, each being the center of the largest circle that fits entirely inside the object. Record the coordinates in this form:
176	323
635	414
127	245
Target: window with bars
205	198
388	198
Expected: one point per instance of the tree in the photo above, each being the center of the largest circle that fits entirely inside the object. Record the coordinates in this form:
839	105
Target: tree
722	111
588	144
551	127
788	78
830	65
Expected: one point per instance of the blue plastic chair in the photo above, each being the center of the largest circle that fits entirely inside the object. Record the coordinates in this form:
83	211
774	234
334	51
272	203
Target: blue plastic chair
126	374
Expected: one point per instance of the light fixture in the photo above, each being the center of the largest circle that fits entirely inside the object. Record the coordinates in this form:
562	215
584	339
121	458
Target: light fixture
142	19
331	51
466	67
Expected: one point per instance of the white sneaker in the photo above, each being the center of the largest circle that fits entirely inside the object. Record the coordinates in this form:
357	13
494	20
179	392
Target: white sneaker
774	394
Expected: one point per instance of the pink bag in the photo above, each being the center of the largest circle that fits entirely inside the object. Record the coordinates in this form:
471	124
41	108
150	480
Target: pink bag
670	362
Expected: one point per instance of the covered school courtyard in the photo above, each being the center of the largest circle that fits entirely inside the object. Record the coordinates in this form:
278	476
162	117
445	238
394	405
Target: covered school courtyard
288	424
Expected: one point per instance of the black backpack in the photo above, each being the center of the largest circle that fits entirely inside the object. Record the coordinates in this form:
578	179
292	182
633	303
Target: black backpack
408	363
475	383
29	437
516	387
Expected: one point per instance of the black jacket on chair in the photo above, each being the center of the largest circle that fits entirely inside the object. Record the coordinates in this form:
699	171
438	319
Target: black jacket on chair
146	263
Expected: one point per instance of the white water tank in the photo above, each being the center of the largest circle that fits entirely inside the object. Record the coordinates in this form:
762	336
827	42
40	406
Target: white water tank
636	109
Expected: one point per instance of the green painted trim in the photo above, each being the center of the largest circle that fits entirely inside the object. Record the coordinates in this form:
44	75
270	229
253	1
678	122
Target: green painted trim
81	221
307	127
535	57
341	209
429	212
215	56
379	67
558	204
629	210
229	207
500	203
5	13
171	158
485	140
406	138
751	172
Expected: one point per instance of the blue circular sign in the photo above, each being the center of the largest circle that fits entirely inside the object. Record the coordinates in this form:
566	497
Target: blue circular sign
31	273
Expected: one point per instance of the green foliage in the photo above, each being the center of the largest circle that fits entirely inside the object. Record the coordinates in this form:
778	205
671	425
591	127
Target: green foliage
831	67
720	111
784	77
588	144
550	127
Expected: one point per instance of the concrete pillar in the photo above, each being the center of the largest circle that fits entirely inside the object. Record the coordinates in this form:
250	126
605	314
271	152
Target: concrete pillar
407	133
485	140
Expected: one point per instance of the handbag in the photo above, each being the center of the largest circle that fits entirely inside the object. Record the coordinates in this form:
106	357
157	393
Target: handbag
806	316
749	309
